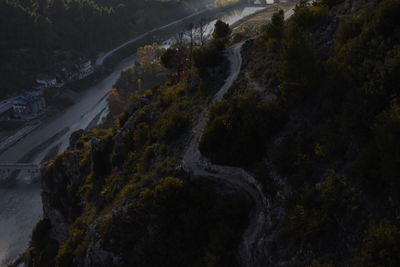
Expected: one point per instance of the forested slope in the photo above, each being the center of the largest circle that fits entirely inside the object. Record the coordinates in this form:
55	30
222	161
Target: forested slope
323	133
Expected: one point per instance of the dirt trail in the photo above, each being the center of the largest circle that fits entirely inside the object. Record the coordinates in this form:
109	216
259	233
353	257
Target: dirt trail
193	161
198	165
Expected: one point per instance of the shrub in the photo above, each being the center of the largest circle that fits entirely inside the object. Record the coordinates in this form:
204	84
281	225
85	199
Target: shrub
386	131
299	70
239	128
380	246
221	30
170	128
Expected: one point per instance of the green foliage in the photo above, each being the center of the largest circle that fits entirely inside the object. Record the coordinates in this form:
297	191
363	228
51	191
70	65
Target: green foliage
75	245
310	16
39	234
349	28
209	56
272	32
127	82
177	223
387	131
299	70
142	136
307	225
43	249
172	127
274	29
170	58
367	48
221	31
317	263
239	128
380	246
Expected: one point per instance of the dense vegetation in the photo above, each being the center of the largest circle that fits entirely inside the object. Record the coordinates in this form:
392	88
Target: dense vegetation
333	68
238	127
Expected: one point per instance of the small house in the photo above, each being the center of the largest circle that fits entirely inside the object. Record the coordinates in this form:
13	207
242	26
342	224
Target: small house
46	81
85	68
29	104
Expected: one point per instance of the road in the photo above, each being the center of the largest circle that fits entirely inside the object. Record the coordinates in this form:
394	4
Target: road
6	104
104	56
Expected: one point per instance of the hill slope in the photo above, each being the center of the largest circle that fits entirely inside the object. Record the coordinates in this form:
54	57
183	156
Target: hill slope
312	115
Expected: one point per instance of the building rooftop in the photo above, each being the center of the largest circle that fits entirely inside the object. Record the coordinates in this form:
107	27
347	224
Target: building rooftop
22	99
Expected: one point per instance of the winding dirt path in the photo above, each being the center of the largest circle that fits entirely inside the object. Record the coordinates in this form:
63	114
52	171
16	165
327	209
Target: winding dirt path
198	165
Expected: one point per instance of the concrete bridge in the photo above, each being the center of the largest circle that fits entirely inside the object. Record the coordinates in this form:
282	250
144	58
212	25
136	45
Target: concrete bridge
8	169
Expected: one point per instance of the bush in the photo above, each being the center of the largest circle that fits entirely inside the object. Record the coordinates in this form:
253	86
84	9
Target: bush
387	131
221	31
170	128
274	29
208	57
380	246
299	70
238	129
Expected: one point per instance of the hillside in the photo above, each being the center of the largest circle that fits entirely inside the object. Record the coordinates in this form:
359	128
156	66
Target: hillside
292	161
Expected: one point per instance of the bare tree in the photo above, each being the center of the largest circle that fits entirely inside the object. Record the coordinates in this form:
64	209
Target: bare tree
191	35
179	40
201	31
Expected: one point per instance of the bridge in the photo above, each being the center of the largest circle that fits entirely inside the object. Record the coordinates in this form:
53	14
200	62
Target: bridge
8	169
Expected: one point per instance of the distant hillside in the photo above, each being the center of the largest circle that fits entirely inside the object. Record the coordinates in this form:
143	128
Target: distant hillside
36	35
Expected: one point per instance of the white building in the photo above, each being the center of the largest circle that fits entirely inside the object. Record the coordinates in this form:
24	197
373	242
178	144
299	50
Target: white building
46	81
269	2
85	68
29	104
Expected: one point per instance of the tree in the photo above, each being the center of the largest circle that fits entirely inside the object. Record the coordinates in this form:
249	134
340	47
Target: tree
207	57
170	59
221	30
274	29
298	72
380	246
149	58
201	30
238	129
116	103
386	132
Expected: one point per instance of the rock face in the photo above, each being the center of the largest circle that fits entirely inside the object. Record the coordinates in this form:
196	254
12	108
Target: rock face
87	161
96	255
62	176
57	206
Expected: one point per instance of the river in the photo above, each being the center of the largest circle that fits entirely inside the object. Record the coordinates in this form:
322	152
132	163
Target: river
20	202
